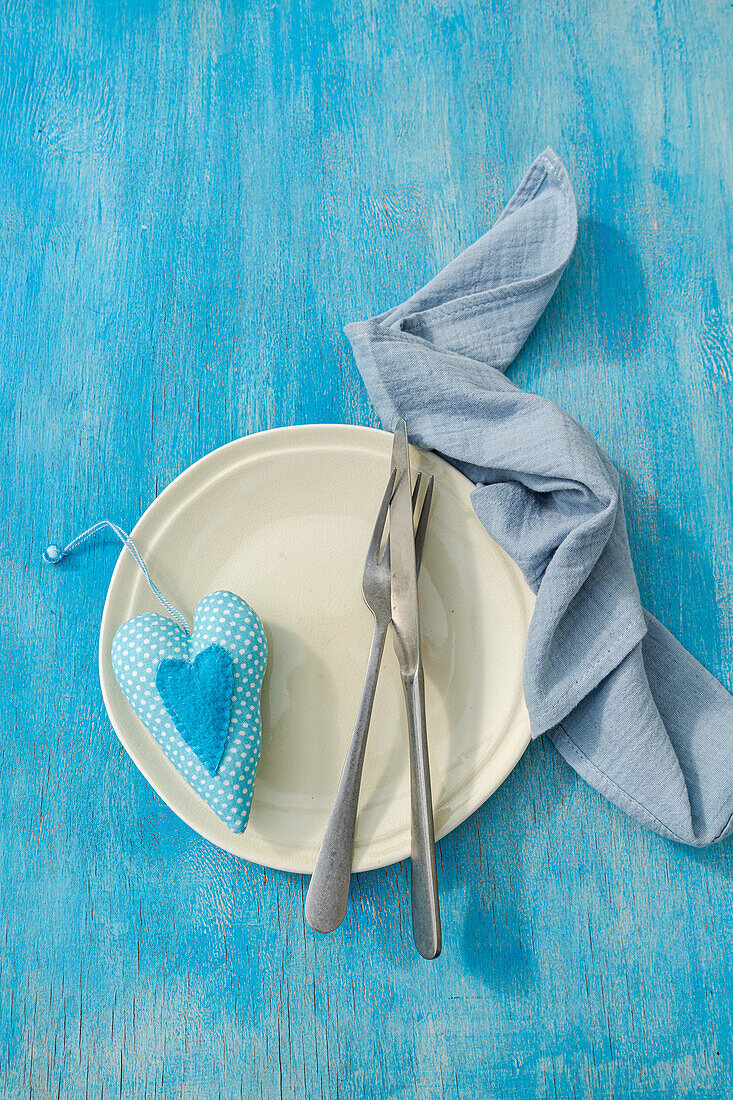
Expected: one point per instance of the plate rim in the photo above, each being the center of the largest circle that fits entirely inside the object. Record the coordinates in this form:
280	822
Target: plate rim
505	759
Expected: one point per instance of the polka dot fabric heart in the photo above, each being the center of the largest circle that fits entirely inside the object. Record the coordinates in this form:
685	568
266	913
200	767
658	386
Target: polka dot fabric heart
222	619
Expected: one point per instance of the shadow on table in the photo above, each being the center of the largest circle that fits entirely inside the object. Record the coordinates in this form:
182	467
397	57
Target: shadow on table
485	861
601	306
673	570
485	886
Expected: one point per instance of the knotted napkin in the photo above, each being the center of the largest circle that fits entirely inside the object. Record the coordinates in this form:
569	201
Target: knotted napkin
626	705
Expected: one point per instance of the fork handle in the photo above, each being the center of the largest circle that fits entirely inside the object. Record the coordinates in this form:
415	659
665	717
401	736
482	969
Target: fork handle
328	892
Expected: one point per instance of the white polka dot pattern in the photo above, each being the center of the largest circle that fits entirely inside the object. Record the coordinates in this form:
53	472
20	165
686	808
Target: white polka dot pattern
222	619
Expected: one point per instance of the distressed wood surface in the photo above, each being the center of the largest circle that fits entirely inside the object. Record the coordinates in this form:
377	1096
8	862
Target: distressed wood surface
194	198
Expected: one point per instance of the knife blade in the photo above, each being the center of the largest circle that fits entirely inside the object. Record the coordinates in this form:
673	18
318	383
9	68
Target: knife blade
405	616
425	905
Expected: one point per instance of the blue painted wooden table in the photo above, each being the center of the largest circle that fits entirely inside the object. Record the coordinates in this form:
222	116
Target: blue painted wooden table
194	198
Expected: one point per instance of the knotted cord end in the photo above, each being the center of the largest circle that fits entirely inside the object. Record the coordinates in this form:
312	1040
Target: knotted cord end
52	555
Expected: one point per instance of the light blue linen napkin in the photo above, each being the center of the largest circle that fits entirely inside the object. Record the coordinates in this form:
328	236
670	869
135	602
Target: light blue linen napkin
626	705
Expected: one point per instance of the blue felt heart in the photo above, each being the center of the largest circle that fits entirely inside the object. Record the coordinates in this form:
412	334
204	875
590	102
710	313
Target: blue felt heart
221	621
198	695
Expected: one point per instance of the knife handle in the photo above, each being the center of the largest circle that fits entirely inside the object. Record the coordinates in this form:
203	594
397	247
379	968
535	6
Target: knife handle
328	892
423	872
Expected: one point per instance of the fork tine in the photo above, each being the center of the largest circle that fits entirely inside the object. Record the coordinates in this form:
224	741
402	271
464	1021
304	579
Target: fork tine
415	494
416	491
422	523
378	532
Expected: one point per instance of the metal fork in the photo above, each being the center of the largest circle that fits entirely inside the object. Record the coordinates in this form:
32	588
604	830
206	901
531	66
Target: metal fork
328	892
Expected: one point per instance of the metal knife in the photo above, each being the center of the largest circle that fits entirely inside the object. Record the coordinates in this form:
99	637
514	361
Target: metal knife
406	633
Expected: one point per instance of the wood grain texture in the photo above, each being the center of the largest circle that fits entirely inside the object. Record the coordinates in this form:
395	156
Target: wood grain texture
194	198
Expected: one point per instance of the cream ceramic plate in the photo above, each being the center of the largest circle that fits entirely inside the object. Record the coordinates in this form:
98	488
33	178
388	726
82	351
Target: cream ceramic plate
283	518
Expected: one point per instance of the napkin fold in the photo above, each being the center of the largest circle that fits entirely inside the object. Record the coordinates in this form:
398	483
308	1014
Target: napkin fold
624	703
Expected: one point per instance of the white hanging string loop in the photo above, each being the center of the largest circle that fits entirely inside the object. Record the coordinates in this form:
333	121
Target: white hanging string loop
53	554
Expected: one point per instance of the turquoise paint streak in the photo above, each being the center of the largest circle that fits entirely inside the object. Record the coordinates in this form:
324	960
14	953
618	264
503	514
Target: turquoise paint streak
194	199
